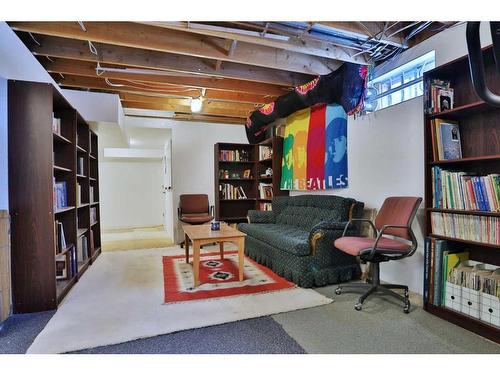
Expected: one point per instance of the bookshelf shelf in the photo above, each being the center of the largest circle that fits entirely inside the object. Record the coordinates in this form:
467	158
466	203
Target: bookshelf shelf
467	160
480	148
464	212
237	179
59	138
236	162
92	179
94	203
61	169
482	328
65	250
92	157
94	223
235	210
63	210
465	241
49	159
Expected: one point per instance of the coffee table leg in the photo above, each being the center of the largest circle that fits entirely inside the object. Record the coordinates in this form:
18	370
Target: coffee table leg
241	256
196	263
221	248
186	246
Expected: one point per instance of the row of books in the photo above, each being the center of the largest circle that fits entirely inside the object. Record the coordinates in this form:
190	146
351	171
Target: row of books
234	155
80	166
454	281
265	206
91	194
60	238
67	265
265	152
82	249
229	191
439	260
440	96
463	191
60	194
265	190
56	125
93	215
445	137
483	229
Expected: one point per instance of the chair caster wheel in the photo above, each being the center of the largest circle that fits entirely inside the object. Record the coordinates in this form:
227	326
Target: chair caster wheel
338	291
358	306
406	309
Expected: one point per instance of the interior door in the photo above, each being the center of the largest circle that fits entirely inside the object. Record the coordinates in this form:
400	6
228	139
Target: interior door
168	213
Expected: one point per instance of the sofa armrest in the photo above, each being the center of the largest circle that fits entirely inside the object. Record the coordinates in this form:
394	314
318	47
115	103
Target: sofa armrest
262	217
328	232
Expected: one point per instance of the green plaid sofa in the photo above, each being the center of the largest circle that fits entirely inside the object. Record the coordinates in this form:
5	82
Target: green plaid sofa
296	239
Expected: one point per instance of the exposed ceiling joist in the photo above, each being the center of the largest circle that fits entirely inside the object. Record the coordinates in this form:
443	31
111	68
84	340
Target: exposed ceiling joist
309	47
147	37
206	110
141	58
124	86
85	68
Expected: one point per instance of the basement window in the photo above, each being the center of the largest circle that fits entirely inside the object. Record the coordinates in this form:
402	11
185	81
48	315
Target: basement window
400	84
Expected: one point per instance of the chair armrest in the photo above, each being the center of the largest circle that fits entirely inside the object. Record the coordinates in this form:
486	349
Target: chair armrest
262	217
360	220
380	234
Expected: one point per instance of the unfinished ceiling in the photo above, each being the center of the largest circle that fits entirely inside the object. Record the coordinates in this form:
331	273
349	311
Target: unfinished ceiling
234	66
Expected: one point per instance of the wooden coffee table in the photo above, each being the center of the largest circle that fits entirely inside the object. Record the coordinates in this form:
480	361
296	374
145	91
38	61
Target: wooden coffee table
203	234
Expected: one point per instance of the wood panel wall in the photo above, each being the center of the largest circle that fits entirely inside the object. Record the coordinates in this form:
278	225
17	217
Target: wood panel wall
5	283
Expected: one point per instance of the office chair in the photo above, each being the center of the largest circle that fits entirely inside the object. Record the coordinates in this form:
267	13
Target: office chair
194	209
394	219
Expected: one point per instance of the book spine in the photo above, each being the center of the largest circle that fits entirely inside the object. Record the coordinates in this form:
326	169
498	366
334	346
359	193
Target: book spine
426	268
438	272
431	271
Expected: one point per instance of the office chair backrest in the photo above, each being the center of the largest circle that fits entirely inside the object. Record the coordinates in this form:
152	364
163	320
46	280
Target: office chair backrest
397	211
194	203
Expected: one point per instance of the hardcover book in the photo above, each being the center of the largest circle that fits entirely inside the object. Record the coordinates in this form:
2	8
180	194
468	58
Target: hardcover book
450	140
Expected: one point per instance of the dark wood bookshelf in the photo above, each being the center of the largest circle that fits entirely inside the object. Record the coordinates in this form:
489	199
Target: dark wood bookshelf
37	157
235	210
480	141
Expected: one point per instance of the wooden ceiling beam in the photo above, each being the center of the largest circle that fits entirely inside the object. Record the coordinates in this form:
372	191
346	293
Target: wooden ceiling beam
141	58
208	103
81	82
310	47
86	68
136	35
185	109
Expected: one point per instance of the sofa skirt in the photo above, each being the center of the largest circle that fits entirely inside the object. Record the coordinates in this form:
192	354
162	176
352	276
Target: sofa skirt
305	271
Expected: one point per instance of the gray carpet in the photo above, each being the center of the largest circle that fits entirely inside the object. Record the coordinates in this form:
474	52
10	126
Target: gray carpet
381	327
18	332
252	336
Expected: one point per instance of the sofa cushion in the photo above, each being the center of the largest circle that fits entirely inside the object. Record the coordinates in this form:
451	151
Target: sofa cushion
287	238
305	211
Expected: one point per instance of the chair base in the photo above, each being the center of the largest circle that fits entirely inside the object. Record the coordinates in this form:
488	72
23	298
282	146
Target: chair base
376	287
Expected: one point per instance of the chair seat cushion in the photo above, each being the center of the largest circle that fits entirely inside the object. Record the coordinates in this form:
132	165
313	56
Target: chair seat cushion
196	218
287	238
359	245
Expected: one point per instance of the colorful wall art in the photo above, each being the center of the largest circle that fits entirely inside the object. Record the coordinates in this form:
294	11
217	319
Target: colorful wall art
315	149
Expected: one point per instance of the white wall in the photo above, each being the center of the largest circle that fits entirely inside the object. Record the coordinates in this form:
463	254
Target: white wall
130	189
95	106
193	156
4	182
386	152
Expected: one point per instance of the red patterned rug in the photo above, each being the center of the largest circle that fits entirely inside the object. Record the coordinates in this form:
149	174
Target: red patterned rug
218	278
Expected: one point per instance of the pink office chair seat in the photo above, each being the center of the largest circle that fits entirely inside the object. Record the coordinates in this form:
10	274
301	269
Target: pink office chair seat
358	245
